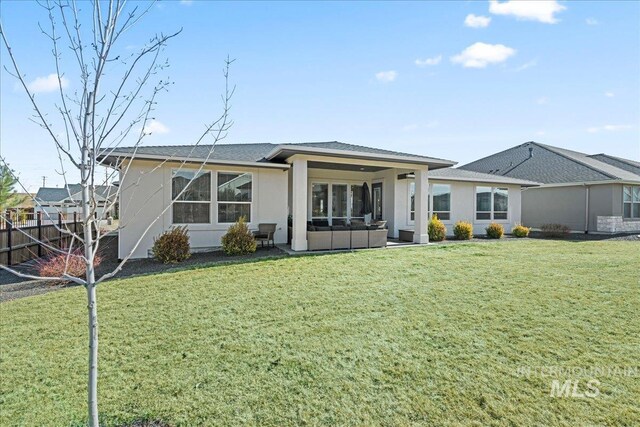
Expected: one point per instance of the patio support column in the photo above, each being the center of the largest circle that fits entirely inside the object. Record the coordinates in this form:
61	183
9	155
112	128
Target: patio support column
420	234
299	208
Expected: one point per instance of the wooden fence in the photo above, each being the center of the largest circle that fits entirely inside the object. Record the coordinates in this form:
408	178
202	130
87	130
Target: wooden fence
22	241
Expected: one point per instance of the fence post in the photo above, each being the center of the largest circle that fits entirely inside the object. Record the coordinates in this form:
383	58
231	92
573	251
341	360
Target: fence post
39	223
59	230
9	236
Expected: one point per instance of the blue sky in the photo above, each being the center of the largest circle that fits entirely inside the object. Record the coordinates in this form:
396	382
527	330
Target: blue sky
403	76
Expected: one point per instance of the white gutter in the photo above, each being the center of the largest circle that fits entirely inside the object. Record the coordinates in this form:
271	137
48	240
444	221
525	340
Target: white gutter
489	181
138	156
357	154
581	183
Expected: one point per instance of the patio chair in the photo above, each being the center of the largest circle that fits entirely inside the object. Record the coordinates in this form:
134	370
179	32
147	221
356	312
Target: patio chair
265	234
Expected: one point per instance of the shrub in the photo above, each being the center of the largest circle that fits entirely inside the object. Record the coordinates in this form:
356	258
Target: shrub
437	230
494	231
172	246
463	230
520	231
239	240
554	230
57	264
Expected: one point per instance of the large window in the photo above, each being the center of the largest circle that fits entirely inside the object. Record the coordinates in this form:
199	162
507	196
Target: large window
357	202
492	203
339	202
319	200
412	201
234	196
631	202
441	194
192	195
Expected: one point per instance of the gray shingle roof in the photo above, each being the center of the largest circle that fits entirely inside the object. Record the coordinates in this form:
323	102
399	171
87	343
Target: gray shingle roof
626	164
335	145
458	174
549	165
57	195
249	152
226	152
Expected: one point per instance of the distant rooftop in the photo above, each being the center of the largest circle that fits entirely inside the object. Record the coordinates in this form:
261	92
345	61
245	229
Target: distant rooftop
554	165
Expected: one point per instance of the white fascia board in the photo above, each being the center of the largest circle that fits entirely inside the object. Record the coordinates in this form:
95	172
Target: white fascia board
358	154
492	181
587	183
282	166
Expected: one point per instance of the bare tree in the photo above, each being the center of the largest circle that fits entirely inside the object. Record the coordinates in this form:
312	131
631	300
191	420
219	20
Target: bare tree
97	118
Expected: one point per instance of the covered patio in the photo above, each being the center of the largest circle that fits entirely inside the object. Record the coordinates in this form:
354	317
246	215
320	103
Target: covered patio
328	191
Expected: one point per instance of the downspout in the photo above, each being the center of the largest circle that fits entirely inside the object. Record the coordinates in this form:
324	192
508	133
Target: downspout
586	210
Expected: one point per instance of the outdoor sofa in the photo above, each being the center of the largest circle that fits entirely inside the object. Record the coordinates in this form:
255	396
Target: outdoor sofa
323	237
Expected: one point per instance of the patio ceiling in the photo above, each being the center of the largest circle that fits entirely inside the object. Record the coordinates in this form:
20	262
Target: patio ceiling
344	167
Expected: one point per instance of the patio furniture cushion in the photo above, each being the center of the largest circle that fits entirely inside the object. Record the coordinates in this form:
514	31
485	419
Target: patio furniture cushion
319	240
341	238
359	238
377	238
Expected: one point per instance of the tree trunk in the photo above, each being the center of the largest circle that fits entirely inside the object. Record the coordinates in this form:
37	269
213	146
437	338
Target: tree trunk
92	399
88	160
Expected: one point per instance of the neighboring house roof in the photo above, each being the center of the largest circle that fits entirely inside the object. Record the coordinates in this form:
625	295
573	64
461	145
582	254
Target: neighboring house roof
267	153
553	165
451	174
71	193
626	164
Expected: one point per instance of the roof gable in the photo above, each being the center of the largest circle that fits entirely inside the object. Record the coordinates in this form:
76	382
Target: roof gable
550	165
625	164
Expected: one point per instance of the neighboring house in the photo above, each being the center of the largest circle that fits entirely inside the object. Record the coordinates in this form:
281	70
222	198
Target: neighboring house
587	193
323	181
65	201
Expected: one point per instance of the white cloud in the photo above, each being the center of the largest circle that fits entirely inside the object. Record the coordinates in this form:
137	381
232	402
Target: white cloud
386	76
609	94
591	21
475	21
540	10
542	100
479	55
608	128
526	65
155	127
47	84
428	61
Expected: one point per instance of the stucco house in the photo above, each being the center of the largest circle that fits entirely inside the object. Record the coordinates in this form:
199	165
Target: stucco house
595	193
54	202
270	183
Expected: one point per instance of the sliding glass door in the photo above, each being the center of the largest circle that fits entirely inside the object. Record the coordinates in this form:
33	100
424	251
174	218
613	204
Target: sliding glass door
337	203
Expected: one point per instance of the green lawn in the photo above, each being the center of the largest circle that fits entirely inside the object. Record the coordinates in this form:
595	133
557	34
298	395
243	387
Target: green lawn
413	336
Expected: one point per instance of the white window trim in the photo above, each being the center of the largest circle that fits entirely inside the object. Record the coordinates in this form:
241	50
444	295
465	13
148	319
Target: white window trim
173	202
217	202
492	212
630	218
409	211
330	184
431	212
